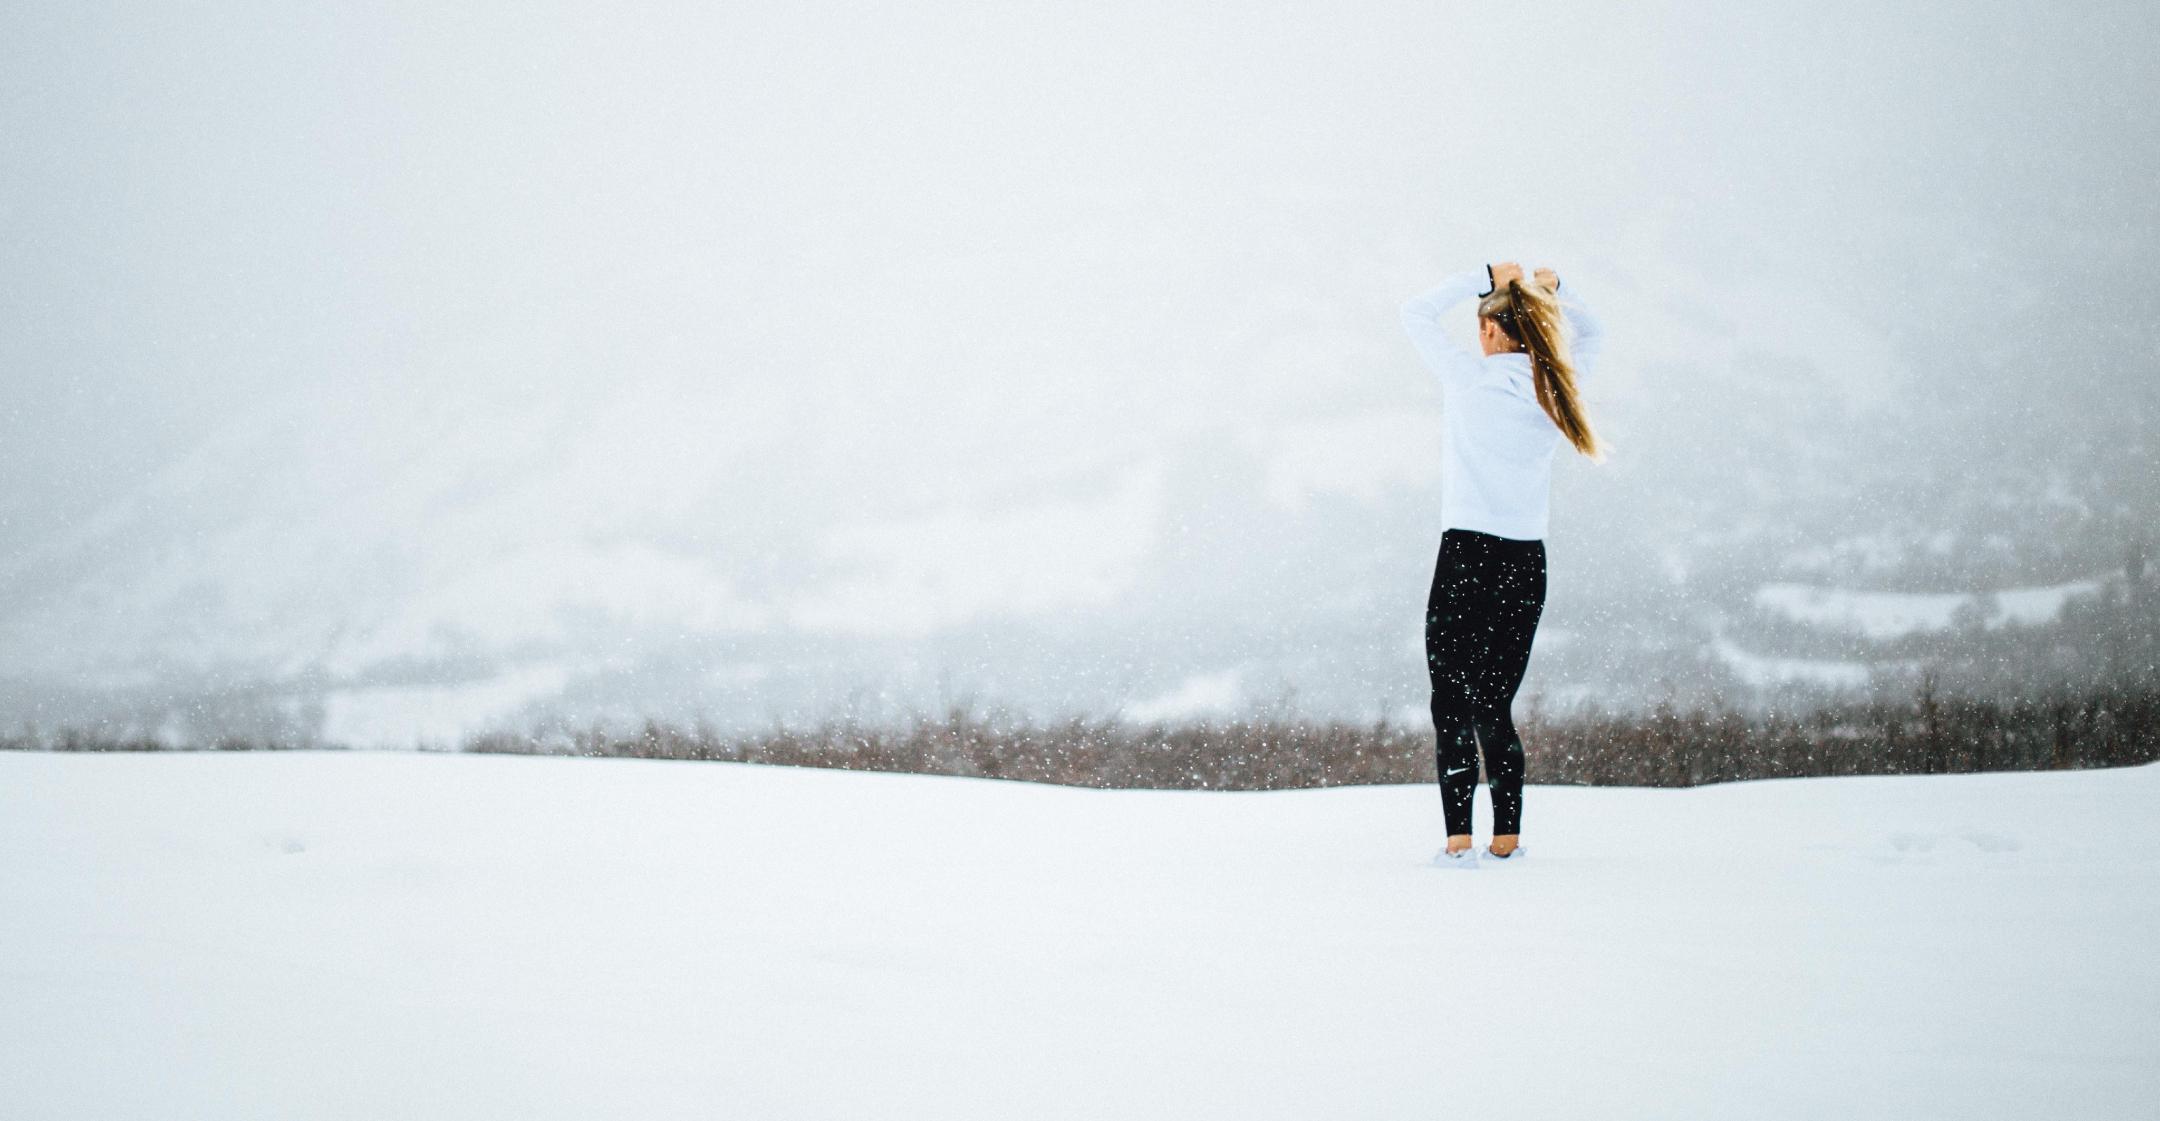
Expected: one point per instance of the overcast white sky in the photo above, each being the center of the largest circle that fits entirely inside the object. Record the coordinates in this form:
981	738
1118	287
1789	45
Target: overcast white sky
205	203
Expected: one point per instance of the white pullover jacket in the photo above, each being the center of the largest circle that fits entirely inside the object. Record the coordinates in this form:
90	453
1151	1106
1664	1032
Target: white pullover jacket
1496	443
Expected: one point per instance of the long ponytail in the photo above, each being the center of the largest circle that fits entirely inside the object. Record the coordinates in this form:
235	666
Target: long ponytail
1530	315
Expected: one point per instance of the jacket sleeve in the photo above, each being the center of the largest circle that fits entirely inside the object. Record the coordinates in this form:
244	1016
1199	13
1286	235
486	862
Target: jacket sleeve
1421	320
1589	331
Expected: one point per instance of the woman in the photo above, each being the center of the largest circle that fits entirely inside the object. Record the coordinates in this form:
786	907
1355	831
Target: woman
1506	411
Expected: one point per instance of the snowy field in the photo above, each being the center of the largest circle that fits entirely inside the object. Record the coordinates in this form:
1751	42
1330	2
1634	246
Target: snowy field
422	936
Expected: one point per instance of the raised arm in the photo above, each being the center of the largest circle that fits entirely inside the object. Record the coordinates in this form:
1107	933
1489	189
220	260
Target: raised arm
1421	320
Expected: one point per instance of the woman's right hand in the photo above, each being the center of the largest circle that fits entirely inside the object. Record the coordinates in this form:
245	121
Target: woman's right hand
1548	280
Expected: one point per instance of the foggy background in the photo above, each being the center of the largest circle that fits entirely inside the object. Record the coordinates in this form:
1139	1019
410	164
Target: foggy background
380	375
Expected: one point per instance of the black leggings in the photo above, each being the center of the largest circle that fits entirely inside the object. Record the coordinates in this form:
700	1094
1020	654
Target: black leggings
1487	594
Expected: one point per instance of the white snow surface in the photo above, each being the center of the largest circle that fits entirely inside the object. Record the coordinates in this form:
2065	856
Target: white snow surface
328	935
436	715
1758	669
1885	615
1203	694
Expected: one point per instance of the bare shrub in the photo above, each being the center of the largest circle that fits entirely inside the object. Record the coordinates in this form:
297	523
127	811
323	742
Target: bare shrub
1930	732
1667	746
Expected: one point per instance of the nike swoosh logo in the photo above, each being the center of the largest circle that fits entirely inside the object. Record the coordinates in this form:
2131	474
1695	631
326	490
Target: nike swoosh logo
1457	771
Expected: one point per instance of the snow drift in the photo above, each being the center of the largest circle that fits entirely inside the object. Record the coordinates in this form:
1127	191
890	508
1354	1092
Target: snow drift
320	935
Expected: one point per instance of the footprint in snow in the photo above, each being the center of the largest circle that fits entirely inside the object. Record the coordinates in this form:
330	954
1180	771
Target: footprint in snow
284	843
1910	845
1912	842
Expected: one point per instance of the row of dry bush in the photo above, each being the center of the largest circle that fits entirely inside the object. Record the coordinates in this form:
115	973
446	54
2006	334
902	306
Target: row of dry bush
1930	734
1665	746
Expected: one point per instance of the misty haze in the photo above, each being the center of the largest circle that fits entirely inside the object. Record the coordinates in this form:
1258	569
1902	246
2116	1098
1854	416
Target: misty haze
387	377
1022	391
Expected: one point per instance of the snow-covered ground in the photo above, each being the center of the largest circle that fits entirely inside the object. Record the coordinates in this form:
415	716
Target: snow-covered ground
1758	669
323	935
1886	615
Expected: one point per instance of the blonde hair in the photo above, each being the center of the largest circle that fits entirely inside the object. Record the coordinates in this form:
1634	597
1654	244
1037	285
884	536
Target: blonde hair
1530	315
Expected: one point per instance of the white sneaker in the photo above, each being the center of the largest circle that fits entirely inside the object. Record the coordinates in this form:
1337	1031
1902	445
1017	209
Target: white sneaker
1516	854
1465	860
